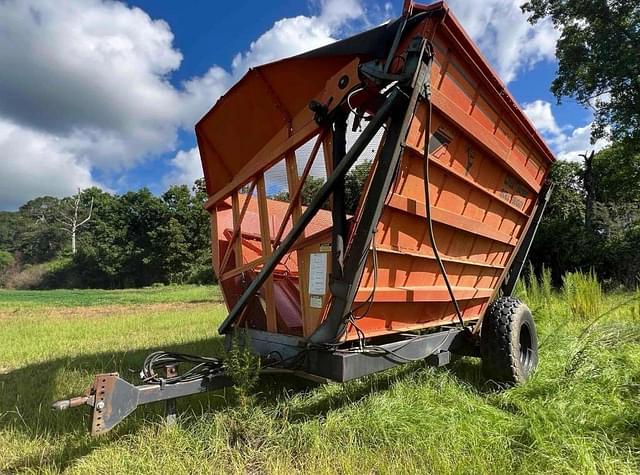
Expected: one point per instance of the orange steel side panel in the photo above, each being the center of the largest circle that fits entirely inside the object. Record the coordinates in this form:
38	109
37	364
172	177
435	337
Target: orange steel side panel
487	167
486	171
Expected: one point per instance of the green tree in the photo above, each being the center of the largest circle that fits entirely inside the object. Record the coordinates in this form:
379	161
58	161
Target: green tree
617	175
103	247
6	260
39	238
353	184
598	61
561	240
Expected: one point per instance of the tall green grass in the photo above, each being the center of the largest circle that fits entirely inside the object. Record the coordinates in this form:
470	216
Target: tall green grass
578	414
583	294
536	291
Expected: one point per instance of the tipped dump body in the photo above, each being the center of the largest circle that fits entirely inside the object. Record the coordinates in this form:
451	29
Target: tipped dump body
487	168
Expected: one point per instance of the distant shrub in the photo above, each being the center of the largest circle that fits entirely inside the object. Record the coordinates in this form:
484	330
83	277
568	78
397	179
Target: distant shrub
30	277
200	272
49	275
583	293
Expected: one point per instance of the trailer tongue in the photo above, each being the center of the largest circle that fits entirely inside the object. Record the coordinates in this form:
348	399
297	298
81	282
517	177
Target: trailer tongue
425	266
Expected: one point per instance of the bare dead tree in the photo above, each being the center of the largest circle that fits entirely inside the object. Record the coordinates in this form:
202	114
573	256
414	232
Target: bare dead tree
72	222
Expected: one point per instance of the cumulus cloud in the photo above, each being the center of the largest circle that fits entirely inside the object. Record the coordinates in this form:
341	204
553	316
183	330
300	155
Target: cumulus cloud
186	167
90	79
72	66
84	85
504	36
540	114
87	82
24	171
570	145
567	142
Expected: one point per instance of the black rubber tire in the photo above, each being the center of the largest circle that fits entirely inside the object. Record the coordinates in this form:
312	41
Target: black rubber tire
508	342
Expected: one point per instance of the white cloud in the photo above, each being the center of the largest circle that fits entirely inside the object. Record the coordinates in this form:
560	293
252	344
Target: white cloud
24	171
81	68
186	167
570	146
84	85
91	79
291	36
287	37
567	142
87	82
540	114
504	36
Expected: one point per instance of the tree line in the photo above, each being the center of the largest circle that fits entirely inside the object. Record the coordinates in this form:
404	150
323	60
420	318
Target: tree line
138	239
592	221
131	240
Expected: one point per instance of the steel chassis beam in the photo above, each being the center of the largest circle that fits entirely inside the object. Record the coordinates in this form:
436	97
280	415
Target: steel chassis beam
343	290
523	251
112	399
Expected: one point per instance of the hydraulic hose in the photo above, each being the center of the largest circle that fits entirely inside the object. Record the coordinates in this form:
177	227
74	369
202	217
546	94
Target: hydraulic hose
427	204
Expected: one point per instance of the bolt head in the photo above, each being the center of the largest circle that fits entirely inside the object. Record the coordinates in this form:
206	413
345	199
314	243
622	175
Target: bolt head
100	405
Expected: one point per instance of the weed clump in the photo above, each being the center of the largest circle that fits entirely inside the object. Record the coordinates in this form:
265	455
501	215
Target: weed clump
535	291
244	369
583	294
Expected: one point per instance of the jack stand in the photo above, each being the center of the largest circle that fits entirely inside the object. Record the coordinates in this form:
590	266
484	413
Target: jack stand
170	409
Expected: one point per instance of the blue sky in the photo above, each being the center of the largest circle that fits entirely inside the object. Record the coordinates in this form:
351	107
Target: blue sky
101	92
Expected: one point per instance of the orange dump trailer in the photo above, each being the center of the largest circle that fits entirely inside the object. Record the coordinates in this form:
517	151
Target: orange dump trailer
403	262
425	264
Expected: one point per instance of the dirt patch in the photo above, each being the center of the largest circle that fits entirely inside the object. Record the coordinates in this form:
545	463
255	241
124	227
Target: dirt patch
99	311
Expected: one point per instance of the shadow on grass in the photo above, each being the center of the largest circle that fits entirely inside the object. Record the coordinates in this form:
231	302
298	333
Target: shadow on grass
26	395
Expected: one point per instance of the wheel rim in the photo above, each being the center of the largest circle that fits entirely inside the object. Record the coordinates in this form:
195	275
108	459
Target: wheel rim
526	348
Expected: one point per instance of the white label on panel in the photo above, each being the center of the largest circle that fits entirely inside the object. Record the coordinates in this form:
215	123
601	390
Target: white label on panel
315	301
318	273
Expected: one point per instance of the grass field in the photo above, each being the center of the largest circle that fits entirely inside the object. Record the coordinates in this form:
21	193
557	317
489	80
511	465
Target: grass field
580	413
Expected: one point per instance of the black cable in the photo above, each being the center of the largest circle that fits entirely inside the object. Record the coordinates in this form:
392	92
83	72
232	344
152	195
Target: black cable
203	366
427	204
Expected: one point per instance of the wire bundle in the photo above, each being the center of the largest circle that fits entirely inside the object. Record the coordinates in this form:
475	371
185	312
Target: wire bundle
201	367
